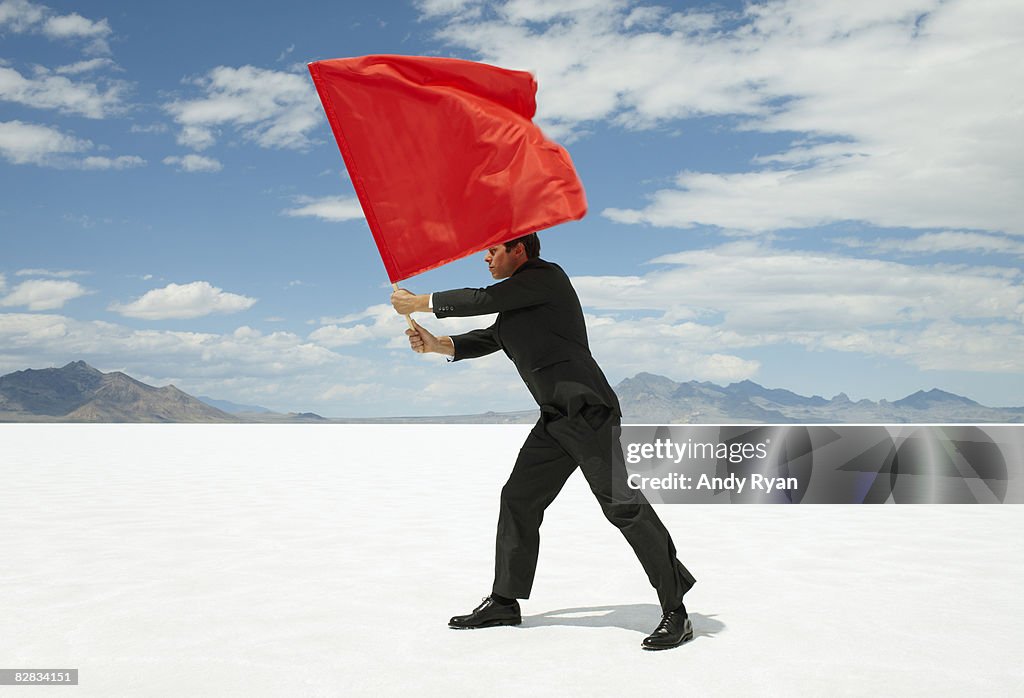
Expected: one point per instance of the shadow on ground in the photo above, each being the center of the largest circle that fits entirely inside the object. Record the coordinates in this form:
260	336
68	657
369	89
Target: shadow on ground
639	617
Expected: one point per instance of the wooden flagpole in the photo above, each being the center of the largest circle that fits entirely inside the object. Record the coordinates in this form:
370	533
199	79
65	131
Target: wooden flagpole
408	318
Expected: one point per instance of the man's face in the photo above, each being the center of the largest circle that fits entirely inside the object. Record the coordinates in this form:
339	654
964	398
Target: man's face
502	263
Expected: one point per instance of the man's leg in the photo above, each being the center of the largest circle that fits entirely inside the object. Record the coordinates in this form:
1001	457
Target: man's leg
538	476
593	438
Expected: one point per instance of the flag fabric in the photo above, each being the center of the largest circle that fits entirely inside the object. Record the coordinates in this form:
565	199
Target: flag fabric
444	156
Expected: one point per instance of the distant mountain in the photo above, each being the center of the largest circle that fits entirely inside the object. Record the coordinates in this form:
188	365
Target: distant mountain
749	389
922	400
648	398
80	393
233	407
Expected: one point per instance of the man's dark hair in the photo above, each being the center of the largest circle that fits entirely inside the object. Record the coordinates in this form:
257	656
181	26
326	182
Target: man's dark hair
531	244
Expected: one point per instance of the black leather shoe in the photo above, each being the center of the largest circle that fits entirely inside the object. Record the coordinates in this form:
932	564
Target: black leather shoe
489	614
674	629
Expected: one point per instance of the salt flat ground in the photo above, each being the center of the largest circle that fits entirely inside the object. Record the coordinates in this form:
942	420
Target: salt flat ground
315	560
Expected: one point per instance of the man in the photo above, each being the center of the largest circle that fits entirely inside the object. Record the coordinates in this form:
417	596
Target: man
540	327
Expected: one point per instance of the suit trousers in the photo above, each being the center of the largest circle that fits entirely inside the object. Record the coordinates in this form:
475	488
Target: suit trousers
556	446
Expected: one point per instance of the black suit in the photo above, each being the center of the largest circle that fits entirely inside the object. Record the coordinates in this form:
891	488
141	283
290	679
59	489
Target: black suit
540	327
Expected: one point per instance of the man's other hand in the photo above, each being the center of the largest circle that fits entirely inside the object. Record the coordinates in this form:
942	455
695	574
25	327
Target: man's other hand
405	302
422	342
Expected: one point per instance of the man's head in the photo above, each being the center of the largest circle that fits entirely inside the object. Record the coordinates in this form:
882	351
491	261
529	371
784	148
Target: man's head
504	259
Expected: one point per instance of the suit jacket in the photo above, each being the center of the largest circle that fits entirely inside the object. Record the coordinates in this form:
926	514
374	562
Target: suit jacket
540	327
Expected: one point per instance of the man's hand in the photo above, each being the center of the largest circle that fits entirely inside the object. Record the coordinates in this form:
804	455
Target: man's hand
405	302
422	342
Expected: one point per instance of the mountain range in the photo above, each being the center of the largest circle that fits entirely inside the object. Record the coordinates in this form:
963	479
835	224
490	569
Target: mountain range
78	392
653	399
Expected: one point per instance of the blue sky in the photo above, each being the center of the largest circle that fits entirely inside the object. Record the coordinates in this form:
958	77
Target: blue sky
822	197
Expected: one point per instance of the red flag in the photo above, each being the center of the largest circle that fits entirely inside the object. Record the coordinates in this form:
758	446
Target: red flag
444	156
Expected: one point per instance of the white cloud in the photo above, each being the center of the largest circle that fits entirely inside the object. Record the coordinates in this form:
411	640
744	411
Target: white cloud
437	8
47	91
151	128
86	66
644	17
3	283
348	391
333	336
328	208
284	54
665	345
272	108
33	144
86	221
744	295
760	287
909	108
523	11
935	243
196	137
183	301
43	294
381	324
57	274
194	163
21	16
23	143
243	352
101	162
487	383
74	25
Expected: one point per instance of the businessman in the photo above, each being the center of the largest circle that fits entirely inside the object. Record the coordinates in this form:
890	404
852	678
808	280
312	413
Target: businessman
540	327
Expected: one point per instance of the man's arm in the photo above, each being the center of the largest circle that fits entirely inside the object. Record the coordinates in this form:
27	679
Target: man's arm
522	290
519	291
472	345
405	302
469	345
423	342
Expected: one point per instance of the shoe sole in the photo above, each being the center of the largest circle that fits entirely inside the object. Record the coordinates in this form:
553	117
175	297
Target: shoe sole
686	638
488	624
